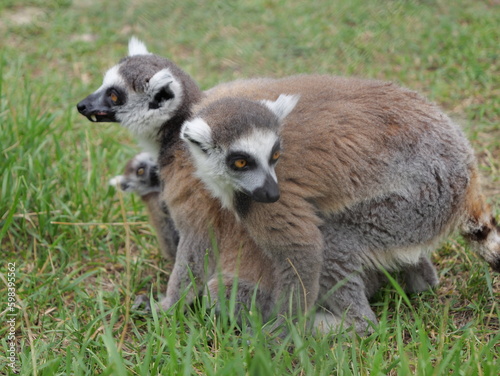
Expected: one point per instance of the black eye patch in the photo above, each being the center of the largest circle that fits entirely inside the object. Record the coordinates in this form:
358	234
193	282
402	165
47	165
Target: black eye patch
116	96
275	152
234	157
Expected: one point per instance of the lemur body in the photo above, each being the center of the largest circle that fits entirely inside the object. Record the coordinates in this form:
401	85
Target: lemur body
375	170
326	177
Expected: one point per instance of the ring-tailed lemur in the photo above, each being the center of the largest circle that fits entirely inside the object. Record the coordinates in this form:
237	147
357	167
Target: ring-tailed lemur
193	208
152	97
141	176
396	223
139	93
376	171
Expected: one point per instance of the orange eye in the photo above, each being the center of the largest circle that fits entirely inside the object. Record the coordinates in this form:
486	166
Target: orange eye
276	155
240	163
140	171
113	97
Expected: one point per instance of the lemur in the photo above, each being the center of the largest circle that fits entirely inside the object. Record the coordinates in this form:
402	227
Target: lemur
384	172
328	223
148	83
141	176
387	181
152	97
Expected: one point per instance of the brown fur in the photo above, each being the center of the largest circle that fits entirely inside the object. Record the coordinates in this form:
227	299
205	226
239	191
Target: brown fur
239	255
332	162
341	147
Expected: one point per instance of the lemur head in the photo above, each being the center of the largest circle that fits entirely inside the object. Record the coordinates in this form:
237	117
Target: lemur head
142	92
235	144
140	176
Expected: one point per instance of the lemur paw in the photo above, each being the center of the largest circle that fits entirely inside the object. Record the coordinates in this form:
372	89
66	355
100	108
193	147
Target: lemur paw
142	303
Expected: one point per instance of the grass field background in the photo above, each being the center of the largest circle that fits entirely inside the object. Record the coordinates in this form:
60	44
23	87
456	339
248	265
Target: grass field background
82	252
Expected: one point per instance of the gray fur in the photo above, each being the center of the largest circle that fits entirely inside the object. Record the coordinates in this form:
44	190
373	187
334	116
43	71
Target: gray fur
347	193
379	188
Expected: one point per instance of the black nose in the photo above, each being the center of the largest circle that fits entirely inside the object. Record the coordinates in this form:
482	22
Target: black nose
261	195
82	106
268	193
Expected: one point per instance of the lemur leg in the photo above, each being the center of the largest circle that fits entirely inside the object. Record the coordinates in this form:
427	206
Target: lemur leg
159	217
246	291
415	278
351	291
343	295
194	261
287	231
419	277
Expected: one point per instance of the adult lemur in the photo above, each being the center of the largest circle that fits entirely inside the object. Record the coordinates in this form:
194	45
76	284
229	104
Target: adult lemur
371	175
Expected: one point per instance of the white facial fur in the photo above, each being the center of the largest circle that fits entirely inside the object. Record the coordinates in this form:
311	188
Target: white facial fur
259	144
210	160
116	181
136	115
111	78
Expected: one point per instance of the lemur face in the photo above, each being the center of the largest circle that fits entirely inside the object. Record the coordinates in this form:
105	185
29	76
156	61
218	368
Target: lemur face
141	92
236	144
140	176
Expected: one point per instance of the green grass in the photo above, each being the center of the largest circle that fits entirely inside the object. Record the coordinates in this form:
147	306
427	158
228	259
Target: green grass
82	253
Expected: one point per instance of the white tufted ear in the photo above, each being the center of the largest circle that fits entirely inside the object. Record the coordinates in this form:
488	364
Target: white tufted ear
196	133
163	88
136	47
160	79
283	105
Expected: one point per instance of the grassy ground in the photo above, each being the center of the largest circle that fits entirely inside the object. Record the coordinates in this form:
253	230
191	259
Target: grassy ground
81	251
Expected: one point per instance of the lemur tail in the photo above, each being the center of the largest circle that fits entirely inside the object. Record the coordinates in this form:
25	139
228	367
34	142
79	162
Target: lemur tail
480	227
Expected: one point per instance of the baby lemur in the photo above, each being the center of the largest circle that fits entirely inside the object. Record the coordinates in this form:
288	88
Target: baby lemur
371	175
141	176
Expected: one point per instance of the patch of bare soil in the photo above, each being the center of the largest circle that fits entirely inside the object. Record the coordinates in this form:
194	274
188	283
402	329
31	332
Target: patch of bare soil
21	16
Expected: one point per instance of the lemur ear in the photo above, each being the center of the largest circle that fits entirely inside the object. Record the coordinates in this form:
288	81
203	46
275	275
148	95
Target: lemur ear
282	106
196	133
161	88
136	47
